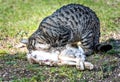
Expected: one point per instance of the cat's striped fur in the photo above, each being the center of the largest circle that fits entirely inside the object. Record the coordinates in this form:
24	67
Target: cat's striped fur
68	25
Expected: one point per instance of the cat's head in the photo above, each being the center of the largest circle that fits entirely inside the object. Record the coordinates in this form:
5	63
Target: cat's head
36	42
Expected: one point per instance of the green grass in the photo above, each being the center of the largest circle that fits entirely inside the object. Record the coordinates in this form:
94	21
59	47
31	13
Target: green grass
20	18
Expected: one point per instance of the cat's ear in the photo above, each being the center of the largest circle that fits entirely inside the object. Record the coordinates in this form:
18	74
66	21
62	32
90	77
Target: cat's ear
24	41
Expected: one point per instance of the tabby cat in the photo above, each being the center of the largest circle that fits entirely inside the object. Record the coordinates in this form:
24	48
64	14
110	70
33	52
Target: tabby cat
70	24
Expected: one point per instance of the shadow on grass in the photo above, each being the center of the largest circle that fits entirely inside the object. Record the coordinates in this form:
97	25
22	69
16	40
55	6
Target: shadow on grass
116	47
13	66
16	66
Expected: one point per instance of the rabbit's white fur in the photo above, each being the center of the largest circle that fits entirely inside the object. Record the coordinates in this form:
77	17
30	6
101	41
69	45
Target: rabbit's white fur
69	56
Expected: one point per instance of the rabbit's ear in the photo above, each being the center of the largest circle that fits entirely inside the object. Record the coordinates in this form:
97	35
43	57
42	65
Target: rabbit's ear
24	41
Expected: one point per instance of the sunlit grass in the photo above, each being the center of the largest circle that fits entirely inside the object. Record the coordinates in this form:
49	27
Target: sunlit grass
20	18
25	15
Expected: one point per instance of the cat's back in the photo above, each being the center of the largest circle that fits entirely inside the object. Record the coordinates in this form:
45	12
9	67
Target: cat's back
73	9
73	15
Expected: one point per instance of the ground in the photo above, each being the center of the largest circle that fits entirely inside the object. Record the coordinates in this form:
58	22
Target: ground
19	19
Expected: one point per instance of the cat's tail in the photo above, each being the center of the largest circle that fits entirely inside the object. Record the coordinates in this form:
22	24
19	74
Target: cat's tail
103	47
